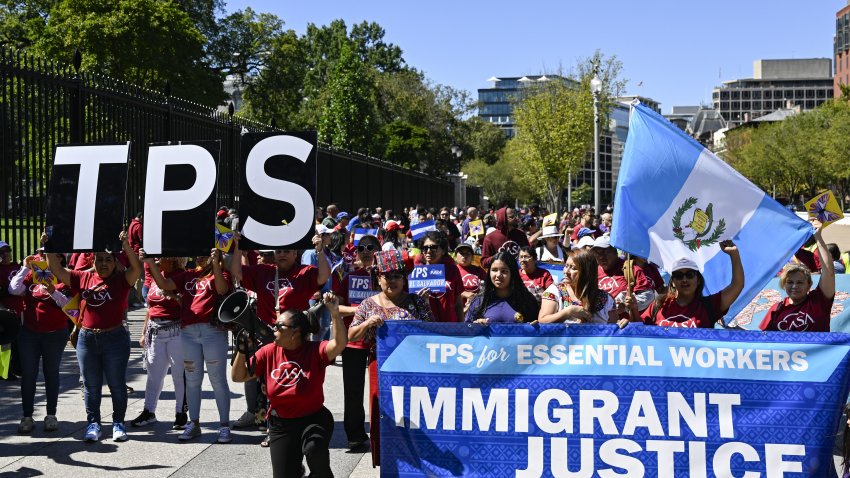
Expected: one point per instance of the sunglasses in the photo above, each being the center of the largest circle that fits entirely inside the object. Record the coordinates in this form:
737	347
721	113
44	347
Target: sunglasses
689	274
430	248
278	326
369	247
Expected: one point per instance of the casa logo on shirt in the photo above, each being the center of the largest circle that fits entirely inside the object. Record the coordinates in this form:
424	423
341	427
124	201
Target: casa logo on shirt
608	284
679	321
797	322
287	374
283	284
511	248
471	281
155	294
198	286
38	292
96	298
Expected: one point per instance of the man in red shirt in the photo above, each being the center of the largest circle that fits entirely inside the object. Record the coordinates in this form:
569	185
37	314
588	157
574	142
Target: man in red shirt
507	237
612	278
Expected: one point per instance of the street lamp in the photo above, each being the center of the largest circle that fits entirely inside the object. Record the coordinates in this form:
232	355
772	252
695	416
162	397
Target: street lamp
596	88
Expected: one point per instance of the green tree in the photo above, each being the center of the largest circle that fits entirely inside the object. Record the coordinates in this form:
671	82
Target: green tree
348	119
242	42
582	194
407	145
278	90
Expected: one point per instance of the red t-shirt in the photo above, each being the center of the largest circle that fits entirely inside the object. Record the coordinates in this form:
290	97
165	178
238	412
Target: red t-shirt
134	234
340	288
471	276
652	275
42	314
161	307
811	315
615	283
297	286
104	302
693	315
540	278
294	378
443	304
200	299
11	302
81	261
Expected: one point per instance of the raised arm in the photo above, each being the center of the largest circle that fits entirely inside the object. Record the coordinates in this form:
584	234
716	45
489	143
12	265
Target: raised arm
827	268
239	371
324	266
16	285
161	282
133	272
221	285
340	336
733	290
236	261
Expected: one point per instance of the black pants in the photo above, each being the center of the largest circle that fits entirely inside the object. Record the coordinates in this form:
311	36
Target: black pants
354	362
291	439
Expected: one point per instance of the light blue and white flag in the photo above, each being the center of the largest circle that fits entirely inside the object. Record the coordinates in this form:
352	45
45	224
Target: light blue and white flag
359	233
418	231
676	199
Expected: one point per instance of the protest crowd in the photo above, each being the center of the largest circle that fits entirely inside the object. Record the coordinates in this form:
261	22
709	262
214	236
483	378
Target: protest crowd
323	306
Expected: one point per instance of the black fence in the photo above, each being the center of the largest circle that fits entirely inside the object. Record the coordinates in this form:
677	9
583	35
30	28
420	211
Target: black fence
44	103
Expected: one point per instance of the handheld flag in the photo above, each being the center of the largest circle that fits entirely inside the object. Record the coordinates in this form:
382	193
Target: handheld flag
824	207
675	199
359	233
418	231
476	228
550	220
41	273
223	238
72	309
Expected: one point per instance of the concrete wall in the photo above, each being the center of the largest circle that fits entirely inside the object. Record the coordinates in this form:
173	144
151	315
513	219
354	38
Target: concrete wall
811	68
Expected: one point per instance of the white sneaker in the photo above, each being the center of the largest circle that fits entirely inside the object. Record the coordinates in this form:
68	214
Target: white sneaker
224	435
191	431
247	419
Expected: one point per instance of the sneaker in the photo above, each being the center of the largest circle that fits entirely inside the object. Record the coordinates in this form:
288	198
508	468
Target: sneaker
192	430
26	425
51	424
119	433
92	432
180	421
224	435
247	419
144	418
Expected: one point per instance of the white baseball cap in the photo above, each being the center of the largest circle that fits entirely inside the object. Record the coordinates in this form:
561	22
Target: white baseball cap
322	229
684	263
586	241
601	241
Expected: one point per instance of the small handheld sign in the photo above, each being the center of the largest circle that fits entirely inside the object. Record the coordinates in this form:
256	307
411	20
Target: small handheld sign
431	277
359	289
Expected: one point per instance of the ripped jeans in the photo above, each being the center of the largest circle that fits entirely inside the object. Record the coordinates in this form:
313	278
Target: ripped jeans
205	345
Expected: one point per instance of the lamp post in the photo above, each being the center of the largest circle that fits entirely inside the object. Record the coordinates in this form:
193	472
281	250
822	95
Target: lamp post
596	88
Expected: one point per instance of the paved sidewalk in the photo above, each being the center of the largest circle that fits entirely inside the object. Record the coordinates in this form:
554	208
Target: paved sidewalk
152	451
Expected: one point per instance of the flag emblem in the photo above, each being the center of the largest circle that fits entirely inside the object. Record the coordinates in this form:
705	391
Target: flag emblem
694	233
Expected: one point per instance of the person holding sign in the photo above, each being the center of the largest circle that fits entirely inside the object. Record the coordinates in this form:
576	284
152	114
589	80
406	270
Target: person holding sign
504	299
392	303
203	343
577	299
293	369
805	309
684	304
447	306
103	345
42	337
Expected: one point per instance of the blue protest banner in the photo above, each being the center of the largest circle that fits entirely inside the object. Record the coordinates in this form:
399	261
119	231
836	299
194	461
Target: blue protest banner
432	277
529	401
556	270
359	289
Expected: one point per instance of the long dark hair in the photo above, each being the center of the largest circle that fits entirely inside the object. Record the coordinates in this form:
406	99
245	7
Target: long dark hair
587	285
520	299
337	242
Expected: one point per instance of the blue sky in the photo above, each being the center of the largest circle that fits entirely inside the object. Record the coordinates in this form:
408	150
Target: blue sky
679	50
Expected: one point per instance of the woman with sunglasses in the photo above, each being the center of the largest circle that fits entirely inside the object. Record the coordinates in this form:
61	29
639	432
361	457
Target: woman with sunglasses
355	357
204	345
577	299
446	306
684	305
805	309
294	371
392	303
503	299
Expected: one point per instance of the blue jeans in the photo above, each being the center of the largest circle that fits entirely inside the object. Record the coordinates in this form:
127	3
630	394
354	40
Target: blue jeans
204	344
104	355
45	347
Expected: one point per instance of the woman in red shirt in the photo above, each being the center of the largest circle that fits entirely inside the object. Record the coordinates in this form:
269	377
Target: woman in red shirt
684	305
42	337
805	309
536	279
446	306
103	346
294	372
203	343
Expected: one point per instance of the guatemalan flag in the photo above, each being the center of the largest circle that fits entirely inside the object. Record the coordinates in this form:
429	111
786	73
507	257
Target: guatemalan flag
418	231
359	233
676	199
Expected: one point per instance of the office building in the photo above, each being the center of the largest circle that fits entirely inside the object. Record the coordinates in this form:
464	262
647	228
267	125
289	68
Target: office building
496	104
806	83
841	43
